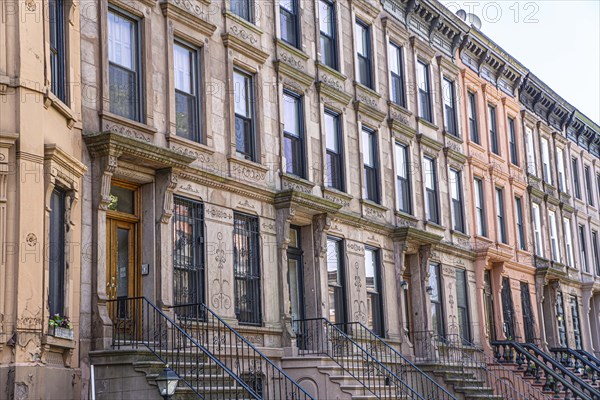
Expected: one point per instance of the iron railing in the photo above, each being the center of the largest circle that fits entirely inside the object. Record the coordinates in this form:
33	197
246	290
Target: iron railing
457	353
318	336
590	356
571	358
139	323
544	369
396	362
237	353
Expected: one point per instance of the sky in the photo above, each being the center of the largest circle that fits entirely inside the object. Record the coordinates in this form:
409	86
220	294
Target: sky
557	40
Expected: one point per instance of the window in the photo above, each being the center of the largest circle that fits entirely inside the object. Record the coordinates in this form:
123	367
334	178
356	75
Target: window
449	107
514	152
125	79
473	128
546	161
588	185
576	322
537	230
374	291
431	196
456	193
58	55
188	252
480	208
560	317
575	164
583	249
403	179
246	269
494	145
596	250
335	281
528	320
288	15
435	294
370	160
187	106
293	134
363	54
396	74
56	272
568	242
462	305
554	236
244	115
500	215
520	223
560	165
531	169
333	142
327	27
243	9
508	309
424	91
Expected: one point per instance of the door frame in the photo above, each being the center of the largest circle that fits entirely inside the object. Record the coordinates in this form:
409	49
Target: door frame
296	253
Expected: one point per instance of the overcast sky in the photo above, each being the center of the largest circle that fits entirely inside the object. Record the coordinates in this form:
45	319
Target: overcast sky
558	40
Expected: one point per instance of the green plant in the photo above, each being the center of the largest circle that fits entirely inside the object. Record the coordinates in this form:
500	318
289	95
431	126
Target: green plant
60	322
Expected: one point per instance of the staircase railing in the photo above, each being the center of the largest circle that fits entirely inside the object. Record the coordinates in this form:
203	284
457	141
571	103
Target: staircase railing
590	357
139	323
557	377
396	362
318	336
237	353
571	358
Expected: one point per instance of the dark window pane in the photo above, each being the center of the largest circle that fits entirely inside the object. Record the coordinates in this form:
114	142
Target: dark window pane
56	273
246	268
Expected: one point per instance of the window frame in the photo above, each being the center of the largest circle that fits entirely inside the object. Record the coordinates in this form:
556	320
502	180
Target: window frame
371	172
249	121
514	149
432	215
295	14
399	99
437	304
583	248
589	188
464	307
576	183
473	122
537	229
403	182
194	53
568	242
332	38
530	151
596	251
546	168
450	115
458	214
520	221
339	156
366	59
480	212
248	8
425	106
554	246
560	166
298	165
501	215
493	121
340	287
255	276
379	322
58	50
57	266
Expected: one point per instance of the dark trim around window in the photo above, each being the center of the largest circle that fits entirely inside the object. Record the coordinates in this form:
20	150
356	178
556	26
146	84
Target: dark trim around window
58	54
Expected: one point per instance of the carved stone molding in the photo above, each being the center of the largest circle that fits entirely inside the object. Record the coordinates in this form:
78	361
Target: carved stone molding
321	225
171	184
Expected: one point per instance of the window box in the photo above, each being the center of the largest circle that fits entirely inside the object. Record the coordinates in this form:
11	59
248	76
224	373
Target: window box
59	332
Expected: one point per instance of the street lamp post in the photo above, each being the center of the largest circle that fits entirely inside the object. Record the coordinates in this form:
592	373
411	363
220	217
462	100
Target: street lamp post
167	382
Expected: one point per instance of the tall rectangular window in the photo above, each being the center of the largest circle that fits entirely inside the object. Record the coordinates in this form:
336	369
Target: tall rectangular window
560	166
508	309
576	322
462	305
403	179
537	230
514	152
124	75
293	134
527	310
188	251
480	207
431	195
243	9
473	127
246	269
560	317
531	169
576	187
494	145
334	158
500	215
336	280
58	54
396	74
243	92
328	33
568	242
363	54
520	223
450	107
371	164
589	189
436	296
554	236
374	291
583	249
596	250
56	272
288	17
546	161
187	105
423	84
456	193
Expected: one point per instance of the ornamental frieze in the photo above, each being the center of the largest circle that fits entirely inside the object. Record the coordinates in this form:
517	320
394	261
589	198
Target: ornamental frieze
353	247
244	34
218	213
246	172
126	131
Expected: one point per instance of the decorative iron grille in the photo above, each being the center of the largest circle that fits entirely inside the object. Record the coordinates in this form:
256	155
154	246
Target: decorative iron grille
246	269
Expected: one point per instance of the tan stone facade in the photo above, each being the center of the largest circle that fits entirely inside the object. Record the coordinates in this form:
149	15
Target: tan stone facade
211	208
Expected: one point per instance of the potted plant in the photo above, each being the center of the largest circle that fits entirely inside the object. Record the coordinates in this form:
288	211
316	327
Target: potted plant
61	327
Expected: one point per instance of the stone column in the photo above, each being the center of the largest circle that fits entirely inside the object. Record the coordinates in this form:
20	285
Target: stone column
586	317
284	217
321	224
421	302
401	334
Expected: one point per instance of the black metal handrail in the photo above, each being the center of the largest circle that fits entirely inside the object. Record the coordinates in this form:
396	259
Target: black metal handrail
571	358
557	378
318	336
590	357
138	322
396	362
237	353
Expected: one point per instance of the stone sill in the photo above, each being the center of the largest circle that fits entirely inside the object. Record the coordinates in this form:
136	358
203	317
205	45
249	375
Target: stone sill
331	71
57	342
50	99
